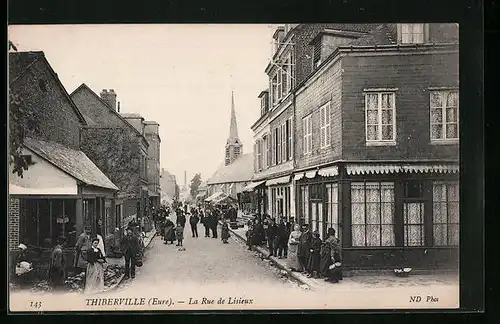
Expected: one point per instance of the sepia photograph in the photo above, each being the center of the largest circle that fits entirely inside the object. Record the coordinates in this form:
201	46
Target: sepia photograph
207	167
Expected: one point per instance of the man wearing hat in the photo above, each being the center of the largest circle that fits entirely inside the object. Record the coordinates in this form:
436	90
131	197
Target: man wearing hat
305	245
82	246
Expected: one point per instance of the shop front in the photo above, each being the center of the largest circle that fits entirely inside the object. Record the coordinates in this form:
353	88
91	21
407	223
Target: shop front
386	215
253	198
280	198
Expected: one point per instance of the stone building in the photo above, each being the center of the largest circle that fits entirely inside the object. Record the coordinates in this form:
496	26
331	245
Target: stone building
118	147
63	190
168	183
152	134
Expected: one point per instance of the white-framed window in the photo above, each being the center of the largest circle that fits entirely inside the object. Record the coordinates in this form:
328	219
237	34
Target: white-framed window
274	135
274	90
446	210
264	151
372	213
444	115
325	128
259	155
307	130
290	138
412	33
380	109
279	85
278	145
268	147
284	141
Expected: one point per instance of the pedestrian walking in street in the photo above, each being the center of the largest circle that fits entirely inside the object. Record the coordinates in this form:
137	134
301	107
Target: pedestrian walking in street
313	264
331	258
131	250
213	220
249	234
225	233
57	267
293	249
305	246
169	235
283	235
272	234
193	221
179	234
94	282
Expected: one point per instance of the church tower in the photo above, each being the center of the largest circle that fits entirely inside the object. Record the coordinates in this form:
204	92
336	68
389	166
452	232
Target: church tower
234	147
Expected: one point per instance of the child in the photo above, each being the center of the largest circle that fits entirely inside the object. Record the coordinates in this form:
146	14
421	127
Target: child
225	233
179	234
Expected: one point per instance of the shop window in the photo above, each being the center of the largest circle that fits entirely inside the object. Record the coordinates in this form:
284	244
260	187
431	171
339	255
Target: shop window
304	205
446	213
372	212
413	214
332	211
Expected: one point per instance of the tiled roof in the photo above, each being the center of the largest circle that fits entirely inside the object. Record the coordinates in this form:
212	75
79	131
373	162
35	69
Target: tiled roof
73	162
240	170
130	115
19	61
380	35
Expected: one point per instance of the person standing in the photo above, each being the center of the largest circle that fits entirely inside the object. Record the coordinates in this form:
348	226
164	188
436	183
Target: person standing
169	235
213	224
204	220
225	233
179	234
305	246
82	246
249	234
181	218
272	233
334	272
94	281
293	248
313	264
283	235
57	267
130	250
193	221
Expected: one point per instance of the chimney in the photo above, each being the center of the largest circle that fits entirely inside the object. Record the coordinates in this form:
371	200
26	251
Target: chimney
109	97
118	108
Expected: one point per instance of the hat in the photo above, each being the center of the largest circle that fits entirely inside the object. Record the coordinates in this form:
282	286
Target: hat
22	246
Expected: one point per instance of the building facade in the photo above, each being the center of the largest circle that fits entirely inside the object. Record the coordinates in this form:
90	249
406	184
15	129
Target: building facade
375	153
118	147
63	191
168	183
152	134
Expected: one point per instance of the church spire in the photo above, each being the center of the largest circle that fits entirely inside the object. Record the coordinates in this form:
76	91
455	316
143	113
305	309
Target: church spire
234	147
233	127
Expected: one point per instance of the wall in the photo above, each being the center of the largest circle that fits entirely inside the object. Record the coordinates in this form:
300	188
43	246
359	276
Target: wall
14	223
412	75
90	106
326	88
56	117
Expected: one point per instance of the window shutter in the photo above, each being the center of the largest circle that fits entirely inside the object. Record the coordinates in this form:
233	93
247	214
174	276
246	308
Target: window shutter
304	136
290	139
322	126
328	132
309	128
317	52
269	156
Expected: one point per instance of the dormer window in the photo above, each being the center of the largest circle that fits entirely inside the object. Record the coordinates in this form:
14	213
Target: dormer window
412	33
317	53
264	103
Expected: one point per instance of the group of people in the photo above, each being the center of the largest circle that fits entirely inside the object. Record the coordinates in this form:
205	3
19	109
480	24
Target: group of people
303	248
209	217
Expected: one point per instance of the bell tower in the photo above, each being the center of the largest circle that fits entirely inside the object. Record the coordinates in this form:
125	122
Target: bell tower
234	147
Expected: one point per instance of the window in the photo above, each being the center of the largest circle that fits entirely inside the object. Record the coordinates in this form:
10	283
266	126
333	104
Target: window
413	214
285	78
307	129
372	212
274	89
412	33
380	118
446	213
332	211
274	134
264	151
444	115
304	204
279	85
255	168
325	131
264	104
284	141
290	140
268	147
317	54
259	155
278	145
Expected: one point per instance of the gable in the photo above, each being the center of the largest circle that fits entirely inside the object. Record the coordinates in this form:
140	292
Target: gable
42	178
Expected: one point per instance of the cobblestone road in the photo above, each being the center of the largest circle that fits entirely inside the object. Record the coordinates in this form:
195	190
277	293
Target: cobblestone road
205	262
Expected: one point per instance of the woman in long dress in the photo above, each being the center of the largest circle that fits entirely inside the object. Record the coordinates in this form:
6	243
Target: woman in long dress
293	249
94	282
169	231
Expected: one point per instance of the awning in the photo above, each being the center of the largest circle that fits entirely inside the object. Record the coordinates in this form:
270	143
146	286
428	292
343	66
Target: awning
251	186
298	176
311	174
278	181
214	196
393	168
221	198
329	172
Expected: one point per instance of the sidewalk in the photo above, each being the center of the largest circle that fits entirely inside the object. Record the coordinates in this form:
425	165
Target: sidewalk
120	262
375	279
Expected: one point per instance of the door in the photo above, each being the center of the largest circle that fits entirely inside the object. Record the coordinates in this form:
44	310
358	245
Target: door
317	221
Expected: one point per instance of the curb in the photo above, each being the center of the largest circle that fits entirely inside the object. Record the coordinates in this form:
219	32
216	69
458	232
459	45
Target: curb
276	263
111	288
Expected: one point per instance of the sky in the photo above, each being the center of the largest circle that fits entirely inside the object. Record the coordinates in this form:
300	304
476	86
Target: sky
180	76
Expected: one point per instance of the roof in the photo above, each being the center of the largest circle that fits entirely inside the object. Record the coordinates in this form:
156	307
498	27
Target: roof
241	170
380	35
83	86
151	122
20	62
73	162
131	115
